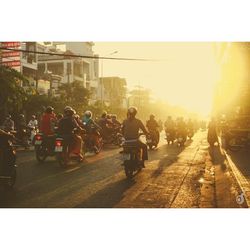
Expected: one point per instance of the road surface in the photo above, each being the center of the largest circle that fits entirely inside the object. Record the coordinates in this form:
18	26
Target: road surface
189	177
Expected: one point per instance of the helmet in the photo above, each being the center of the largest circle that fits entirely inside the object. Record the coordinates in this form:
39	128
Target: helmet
67	108
49	109
132	111
33	117
88	114
8	117
114	116
69	112
21	116
108	116
104	114
152	116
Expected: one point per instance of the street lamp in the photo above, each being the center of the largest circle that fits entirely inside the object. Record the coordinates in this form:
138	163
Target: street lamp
112	53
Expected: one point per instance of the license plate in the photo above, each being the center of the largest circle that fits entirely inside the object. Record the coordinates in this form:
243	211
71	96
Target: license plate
38	142
126	157
58	149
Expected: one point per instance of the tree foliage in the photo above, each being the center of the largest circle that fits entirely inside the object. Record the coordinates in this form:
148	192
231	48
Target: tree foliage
12	94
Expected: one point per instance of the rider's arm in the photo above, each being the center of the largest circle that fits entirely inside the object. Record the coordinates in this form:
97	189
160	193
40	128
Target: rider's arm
142	127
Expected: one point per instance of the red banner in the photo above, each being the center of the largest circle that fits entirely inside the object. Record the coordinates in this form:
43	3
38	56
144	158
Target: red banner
10	44
11	63
6	54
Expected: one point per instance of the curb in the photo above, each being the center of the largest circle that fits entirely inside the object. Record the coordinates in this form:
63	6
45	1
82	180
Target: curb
238	177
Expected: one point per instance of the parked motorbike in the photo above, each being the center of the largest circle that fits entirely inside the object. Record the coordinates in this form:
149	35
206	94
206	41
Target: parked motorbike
132	158
44	146
7	162
237	140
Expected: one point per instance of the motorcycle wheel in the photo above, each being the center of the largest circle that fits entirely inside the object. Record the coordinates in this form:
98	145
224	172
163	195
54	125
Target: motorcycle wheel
129	171
40	155
61	160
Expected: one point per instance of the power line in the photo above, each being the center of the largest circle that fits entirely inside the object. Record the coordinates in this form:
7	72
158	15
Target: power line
74	56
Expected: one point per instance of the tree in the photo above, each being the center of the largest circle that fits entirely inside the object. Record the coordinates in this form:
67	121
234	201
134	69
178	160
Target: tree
12	95
75	95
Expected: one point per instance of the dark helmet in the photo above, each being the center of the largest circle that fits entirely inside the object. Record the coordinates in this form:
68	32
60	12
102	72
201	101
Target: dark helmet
132	111
49	109
69	112
152	117
104	114
113	116
88	114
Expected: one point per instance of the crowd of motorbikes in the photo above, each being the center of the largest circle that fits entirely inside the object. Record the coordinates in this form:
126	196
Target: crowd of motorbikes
92	141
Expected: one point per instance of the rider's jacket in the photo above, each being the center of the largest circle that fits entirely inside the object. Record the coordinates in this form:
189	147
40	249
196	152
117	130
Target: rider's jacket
131	127
152	125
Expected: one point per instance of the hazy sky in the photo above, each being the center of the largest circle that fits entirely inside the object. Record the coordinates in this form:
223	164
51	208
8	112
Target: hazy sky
185	73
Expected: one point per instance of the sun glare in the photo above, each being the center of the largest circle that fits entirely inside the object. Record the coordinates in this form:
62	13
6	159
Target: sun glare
181	73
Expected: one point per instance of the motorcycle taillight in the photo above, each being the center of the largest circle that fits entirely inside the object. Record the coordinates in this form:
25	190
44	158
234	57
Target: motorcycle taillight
38	137
58	143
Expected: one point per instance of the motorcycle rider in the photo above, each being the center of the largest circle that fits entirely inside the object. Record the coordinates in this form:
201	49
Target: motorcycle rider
7	154
181	127
130	131
91	128
66	127
32	125
106	125
170	127
190	126
48	122
212	136
115	122
8	124
153	127
22	130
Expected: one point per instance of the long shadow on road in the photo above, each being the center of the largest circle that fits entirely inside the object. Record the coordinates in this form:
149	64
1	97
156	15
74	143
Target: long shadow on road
108	196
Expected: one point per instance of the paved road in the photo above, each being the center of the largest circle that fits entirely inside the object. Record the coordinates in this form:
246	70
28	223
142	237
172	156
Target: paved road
173	177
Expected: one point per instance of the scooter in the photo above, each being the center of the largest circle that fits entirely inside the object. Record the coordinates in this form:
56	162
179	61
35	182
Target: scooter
190	133
44	146
152	140
132	158
237	140
170	136
62	151
181	139
7	162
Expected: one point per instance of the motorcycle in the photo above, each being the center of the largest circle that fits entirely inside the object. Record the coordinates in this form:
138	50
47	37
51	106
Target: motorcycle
63	150
152	140
181	139
132	158
170	136
190	133
44	146
7	162
237	140
114	138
